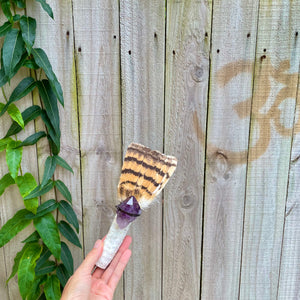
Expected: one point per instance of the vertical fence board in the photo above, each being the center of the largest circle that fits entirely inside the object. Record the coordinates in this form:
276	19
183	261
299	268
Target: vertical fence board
142	63
60	33
272	118
232	60
3	274
289	287
245	244
11	200
96	25
187	72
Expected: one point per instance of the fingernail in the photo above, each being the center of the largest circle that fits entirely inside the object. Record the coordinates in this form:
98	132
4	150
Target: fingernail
98	244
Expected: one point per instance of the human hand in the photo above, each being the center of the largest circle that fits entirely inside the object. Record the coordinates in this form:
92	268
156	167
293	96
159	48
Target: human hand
102	283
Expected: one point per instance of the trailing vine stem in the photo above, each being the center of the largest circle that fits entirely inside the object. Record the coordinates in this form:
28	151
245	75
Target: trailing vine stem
44	262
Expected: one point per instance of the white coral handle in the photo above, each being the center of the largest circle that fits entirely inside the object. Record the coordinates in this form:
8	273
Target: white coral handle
112	243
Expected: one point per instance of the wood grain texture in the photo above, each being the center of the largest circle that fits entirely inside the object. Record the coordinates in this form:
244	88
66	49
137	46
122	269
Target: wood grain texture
289	274
177	76
232	59
142	63
96	30
11	201
60	32
187	72
3	275
4	202
272	118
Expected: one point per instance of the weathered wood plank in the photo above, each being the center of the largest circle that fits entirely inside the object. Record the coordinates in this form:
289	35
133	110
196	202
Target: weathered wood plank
232	59
187	72
142	28
272	118
60	33
3	275
289	274
96	25
5	200
11	200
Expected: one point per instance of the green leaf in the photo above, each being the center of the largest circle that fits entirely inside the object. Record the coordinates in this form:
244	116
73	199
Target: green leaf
13	226
43	209
4	142
66	258
50	104
5	28
3	78
27	264
39	191
35	290
47	228
62	274
46	253
52	288
49	169
60	161
67	210
47	267
20	3
22	89
53	138
27	184
68	233
13	158
16	263
5	182
33	139
16	17
28	28
15	114
5	5
42	61
64	190
13	49
34	237
46	7
28	115
19	64
30	63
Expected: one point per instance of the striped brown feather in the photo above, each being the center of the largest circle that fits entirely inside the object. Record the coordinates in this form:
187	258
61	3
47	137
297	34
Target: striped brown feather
144	174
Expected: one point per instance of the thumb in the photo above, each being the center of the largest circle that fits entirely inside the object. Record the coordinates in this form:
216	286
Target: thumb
91	259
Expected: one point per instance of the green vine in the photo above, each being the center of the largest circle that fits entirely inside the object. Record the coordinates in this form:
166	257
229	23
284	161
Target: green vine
44	263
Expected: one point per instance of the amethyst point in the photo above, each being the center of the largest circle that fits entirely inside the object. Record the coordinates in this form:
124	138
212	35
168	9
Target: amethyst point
127	211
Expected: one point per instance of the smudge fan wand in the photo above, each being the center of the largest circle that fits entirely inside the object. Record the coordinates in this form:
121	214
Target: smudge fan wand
144	174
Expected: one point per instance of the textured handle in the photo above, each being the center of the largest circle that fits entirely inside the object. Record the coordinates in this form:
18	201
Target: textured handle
112	243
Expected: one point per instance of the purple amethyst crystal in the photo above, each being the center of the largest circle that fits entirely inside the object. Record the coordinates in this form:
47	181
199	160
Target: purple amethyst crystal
127	211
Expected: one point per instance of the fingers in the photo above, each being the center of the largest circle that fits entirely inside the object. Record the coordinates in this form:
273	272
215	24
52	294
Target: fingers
109	271
91	259
118	271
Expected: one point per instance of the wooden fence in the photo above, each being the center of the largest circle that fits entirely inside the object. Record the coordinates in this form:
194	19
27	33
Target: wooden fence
215	83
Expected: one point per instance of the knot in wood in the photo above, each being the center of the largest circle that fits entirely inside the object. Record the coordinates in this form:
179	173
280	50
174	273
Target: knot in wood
106	210
197	73
104	153
219	167
187	201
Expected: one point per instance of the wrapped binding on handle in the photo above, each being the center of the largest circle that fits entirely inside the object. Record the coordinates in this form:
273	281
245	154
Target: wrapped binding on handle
145	172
